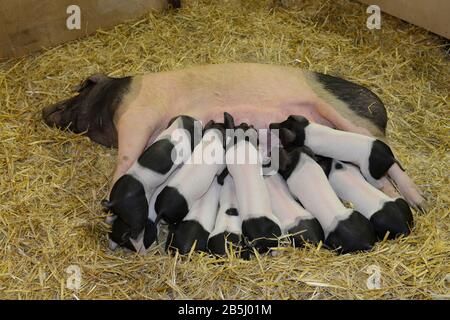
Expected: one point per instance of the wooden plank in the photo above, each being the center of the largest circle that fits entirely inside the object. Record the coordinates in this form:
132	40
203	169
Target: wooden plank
431	15
29	25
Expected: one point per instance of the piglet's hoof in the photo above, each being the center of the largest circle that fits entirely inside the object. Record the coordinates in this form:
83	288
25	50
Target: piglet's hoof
395	217
355	233
262	233
183	236
306	230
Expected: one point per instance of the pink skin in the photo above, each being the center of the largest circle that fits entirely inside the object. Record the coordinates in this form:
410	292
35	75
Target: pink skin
252	93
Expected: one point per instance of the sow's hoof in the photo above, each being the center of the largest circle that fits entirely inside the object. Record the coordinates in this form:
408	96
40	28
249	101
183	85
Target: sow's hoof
184	235
355	233
395	217
308	230
221	241
262	233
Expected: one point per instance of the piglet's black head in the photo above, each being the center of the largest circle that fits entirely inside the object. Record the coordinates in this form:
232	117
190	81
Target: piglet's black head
291	131
91	110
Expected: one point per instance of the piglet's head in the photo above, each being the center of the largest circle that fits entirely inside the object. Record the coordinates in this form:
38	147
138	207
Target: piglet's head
91	110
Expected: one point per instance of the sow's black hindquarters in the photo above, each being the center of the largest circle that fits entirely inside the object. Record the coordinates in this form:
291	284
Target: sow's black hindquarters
120	234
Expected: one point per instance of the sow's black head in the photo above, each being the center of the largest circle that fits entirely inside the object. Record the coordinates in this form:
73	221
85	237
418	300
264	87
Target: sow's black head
91	110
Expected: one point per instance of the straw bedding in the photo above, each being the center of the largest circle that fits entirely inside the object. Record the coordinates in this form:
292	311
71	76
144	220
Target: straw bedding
51	182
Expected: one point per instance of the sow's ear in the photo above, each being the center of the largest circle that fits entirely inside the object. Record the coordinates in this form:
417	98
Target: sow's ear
90	81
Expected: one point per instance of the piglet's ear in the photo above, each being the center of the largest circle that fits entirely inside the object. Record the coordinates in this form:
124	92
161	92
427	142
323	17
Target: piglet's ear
228	120
287	136
284	160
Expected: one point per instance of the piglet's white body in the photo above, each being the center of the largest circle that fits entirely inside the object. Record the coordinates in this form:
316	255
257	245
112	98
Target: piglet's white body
345	146
285	208
195	177
196	226
251	191
310	185
224	221
259	225
204	210
386	214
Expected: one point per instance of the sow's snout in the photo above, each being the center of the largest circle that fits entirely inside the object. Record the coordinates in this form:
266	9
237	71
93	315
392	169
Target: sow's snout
53	114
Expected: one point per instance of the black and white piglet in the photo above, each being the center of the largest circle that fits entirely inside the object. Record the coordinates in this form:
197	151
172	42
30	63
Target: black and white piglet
228	227
130	196
197	225
345	229
260	227
385	213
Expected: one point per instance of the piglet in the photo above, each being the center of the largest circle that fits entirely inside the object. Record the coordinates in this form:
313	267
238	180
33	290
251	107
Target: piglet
344	229
294	219
260	227
131	194
194	178
196	226
227	229
385	213
373	156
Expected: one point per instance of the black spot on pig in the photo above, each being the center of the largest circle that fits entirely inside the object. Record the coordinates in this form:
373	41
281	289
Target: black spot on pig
261	233
232	212
129	203
380	160
221	177
355	233
221	241
361	100
184	235
187	123
338	166
158	156
306	230
326	163
171	206
393	218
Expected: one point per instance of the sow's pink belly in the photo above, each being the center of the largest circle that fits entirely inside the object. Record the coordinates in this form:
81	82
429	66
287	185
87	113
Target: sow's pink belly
259	116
